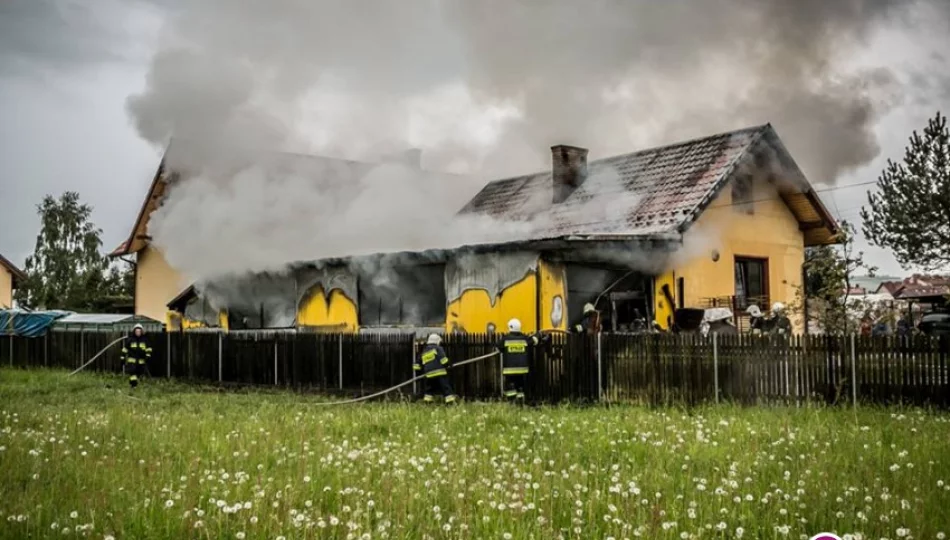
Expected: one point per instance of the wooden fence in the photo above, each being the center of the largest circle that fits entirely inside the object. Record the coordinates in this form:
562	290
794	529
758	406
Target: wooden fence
651	369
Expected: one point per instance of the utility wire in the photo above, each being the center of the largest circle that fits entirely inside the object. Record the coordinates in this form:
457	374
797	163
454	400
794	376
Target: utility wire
825	190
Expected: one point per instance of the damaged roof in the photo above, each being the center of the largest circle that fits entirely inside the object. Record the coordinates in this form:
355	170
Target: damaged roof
656	191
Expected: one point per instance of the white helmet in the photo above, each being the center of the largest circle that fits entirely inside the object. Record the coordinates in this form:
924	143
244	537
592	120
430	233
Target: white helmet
588	308
138	327
514	325
754	311
778	307
434	339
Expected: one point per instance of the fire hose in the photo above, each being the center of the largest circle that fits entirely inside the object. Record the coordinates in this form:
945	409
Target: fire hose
410	381
98	354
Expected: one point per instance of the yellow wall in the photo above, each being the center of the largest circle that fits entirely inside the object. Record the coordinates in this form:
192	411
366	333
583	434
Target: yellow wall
553	285
6	288
663	311
333	313
156	284
771	232
474	309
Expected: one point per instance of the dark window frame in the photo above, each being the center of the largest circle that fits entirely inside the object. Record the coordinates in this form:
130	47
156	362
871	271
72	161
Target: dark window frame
744	297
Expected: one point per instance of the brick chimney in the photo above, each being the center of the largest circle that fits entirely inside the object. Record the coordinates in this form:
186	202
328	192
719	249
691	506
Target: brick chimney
569	169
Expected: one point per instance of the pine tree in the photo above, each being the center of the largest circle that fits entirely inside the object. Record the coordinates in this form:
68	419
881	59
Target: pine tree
910	212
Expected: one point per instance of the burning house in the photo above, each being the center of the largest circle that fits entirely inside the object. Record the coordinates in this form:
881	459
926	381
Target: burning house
717	221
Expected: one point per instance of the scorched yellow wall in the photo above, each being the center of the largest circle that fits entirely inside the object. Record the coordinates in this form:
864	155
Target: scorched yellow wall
771	232
156	284
474	309
6	288
553	286
177	321
333	313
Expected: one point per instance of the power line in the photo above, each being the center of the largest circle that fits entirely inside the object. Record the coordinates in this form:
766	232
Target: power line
825	190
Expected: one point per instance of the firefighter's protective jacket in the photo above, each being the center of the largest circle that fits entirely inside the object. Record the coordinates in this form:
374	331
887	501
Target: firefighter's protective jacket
432	361
137	350
516	351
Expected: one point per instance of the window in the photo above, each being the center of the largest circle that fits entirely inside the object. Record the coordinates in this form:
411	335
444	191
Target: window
403	296
742	194
752	281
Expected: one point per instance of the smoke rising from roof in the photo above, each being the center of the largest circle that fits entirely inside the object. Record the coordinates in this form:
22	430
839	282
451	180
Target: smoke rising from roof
485	87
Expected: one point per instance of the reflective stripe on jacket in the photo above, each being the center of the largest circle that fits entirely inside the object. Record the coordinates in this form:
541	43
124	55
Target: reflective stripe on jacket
137	350
432	361
516	351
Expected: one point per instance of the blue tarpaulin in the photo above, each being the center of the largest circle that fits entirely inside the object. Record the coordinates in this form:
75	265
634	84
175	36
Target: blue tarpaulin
17	322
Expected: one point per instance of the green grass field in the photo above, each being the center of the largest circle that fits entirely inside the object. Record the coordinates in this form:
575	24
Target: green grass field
78	457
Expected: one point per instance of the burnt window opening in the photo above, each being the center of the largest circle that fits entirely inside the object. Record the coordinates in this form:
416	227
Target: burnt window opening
752	282
624	308
245	318
403	296
742	194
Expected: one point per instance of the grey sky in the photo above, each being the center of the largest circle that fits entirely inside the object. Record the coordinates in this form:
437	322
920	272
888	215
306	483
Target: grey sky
68	67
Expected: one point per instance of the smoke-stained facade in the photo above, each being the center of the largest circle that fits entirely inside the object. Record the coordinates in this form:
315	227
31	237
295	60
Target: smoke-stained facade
720	219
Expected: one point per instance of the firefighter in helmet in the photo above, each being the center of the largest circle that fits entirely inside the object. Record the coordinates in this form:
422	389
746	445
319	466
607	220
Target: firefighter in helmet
590	322
781	325
516	349
433	363
136	352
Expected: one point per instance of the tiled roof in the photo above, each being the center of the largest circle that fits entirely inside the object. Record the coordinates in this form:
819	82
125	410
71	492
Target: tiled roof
648	192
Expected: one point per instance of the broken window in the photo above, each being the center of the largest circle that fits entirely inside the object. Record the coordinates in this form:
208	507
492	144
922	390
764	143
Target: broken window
403	296
623	308
742	193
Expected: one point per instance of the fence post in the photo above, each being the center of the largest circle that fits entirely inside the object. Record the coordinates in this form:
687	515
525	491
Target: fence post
340	359
11	350
600	380
413	372
275	361
220	354
716	365
82	347
168	355
854	374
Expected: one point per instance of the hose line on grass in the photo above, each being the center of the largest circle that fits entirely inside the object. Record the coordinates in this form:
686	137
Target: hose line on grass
98	354
410	381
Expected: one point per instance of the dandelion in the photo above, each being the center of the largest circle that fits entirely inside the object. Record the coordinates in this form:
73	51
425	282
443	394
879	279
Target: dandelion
902	532
169	503
74	514
783	529
199	524
739	532
253	520
506	536
240	535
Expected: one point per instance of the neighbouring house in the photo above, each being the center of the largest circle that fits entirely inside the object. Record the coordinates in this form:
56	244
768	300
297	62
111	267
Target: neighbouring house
719	221
10	278
932	291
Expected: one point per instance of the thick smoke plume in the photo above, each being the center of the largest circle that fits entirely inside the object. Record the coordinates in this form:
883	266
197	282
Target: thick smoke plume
483	87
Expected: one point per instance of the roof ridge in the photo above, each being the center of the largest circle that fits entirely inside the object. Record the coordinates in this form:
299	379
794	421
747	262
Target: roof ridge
668	146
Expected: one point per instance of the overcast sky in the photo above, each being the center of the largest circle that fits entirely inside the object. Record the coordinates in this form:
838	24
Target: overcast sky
68	67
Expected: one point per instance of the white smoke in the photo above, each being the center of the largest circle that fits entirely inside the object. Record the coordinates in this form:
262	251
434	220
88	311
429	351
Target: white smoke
484	87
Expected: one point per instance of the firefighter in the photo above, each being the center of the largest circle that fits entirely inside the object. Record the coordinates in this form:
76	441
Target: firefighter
434	364
516	349
590	323
756	320
781	324
136	352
